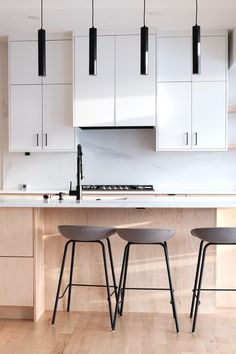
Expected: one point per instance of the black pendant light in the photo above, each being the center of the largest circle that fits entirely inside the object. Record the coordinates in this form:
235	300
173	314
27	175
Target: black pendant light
41	47
93	46
144	44
196	38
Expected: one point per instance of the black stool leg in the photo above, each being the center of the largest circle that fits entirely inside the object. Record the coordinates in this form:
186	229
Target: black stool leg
196	279
119	288
59	282
71	275
112	268
199	287
171	287
124	281
107	282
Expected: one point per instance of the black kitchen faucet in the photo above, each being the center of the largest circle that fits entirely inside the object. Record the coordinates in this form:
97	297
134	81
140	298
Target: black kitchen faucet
79	174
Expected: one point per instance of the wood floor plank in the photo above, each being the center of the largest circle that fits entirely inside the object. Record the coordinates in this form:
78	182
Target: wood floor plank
136	333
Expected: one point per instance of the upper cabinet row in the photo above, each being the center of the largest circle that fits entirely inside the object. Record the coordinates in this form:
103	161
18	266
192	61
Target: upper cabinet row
41	109
118	95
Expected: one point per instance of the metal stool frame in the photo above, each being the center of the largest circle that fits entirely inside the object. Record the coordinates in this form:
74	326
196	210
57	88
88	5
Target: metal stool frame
198	280
123	276
71	284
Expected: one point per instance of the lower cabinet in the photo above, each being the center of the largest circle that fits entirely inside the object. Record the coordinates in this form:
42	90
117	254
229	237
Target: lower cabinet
16	257
16	274
191	116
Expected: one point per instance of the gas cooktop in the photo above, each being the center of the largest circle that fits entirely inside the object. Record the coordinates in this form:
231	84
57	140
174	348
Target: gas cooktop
118	188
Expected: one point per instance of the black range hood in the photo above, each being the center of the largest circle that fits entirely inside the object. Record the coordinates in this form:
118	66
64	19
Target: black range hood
117	127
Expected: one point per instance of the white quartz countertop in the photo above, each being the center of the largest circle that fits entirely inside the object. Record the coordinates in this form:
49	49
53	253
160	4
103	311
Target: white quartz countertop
122	202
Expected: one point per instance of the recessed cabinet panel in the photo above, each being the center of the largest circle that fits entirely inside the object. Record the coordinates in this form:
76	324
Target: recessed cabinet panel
26	117
94	95
58	132
59	62
135	93
174	61
24	63
209	115
174	116
213	59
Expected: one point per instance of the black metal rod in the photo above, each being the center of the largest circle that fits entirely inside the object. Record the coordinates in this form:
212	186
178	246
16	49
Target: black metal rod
59	282
71	275
93	51
107	282
196	47
41	52
112	268
196	278
144	57
119	288
199	287
124	281
171	286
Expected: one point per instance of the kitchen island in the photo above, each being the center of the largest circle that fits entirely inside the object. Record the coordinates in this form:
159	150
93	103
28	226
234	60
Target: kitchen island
31	252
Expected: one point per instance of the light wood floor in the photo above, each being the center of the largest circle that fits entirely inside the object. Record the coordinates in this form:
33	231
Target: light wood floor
136	333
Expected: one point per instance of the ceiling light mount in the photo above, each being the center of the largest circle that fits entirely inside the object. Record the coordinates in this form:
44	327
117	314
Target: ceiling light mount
144	60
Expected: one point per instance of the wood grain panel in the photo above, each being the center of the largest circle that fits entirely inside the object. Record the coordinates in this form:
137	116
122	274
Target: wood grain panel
16	276
16	236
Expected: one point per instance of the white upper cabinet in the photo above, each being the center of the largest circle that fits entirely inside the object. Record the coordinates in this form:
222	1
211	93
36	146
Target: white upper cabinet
135	93
58	133
208	115
213	59
174	61
174	116
25	131
94	95
59	63
23	61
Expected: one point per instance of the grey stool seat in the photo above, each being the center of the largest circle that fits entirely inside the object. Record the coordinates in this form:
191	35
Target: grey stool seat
77	234
209	236
143	236
216	234
85	233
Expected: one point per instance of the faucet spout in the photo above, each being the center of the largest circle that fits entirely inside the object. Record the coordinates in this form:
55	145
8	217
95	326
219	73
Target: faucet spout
79	175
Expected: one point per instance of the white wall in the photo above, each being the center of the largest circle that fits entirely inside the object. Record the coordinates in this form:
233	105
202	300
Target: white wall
115	156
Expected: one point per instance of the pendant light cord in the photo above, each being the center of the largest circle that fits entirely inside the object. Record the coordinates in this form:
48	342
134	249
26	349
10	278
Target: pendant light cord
196	11
92	13
41	14
144	13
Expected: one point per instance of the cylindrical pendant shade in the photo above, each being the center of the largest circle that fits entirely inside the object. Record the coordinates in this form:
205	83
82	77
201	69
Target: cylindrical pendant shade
144	69
93	51
196	38
41	52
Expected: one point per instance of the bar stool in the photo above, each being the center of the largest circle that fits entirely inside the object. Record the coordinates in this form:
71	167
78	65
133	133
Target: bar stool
90	234
209	236
143	237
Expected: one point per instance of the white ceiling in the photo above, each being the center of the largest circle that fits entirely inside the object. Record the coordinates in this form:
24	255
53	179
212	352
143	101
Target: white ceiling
114	15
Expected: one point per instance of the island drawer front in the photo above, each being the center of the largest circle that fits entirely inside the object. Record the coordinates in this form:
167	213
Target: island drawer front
16	235
16	277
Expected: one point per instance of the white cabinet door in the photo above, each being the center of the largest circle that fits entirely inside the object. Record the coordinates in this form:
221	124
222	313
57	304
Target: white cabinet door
23	62
59	62
94	95
213	59
174	116
174	61
135	93
208	115
26	117
58	132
